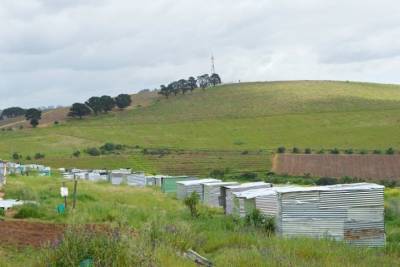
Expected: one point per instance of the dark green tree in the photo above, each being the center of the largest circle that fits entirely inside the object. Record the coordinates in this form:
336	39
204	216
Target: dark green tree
203	81
192	83
123	101
215	79
95	104
79	110
107	103
33	115
164	91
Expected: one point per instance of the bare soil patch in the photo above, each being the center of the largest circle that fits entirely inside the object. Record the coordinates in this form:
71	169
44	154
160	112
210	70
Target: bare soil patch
368	167
22	233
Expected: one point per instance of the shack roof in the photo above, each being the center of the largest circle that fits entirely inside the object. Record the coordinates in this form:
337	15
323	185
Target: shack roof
220	183
199	181
245	185
338	187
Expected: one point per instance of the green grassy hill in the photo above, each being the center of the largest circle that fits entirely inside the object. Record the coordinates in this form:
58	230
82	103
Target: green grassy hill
230	126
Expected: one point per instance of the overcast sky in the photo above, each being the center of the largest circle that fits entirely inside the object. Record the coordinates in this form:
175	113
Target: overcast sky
62	51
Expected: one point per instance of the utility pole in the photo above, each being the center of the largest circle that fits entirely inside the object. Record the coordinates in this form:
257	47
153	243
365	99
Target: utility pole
75	186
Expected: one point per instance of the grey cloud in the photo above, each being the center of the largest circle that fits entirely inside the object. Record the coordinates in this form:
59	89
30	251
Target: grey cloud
58	52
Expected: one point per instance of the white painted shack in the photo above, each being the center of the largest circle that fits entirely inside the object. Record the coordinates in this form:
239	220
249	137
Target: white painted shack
185	188
212	193
353	213
227	193
118	177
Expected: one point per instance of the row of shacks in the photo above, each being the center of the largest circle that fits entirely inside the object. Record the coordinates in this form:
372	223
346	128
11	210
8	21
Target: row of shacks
353	213
11	168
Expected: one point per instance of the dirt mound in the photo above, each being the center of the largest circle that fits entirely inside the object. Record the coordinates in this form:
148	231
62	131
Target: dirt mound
21	233
368	167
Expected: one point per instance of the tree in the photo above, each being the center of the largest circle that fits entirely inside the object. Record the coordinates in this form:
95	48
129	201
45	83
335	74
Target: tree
164	91
192	83
123	101
107	103
12	112
173	88
215	79
33	115
79	110
183	85
95	104
204	81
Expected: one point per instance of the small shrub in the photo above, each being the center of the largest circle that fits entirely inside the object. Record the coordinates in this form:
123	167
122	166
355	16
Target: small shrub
21	127
56	122
76	154
390	151
16	156
216	173
326	181
93	151
335	151
249	176
28	211
2	212
307	151
191	202
281	149
245	152
39	156
321	151
259	220
349	151
28	157
377	151
295	150
363	152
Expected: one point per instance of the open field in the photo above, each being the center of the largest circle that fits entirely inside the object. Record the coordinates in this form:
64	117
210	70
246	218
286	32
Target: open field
367	167
237	117
149	213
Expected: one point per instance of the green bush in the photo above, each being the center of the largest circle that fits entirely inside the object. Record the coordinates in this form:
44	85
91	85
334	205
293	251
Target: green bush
390	151
216	173
281	149
191	202
295	150
39	156
335	151
326	181
259	220
93	151
28	210
377	151
76	153
321	151
349	151
250	176
307	151
2	212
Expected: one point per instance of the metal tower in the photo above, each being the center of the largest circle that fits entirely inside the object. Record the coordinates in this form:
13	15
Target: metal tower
212	64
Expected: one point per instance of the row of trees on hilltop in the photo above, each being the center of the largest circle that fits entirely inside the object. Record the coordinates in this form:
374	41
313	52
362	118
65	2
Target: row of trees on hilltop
33	115
102	104
183	86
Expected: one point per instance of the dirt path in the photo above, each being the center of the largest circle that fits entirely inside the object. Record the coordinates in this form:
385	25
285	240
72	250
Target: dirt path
21	233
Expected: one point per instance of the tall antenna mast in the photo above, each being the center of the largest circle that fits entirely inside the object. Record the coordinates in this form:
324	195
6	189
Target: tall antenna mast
212	64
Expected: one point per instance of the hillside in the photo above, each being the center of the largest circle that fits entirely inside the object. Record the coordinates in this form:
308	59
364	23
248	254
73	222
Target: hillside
233	126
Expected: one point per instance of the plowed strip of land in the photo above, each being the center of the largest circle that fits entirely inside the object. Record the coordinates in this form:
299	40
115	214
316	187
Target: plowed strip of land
368	167
21	233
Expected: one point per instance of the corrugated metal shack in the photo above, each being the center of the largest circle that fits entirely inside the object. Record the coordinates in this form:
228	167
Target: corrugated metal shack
118	177
168	183
137	179
351	212
3	173
212	193
227	193
244	202
185	188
